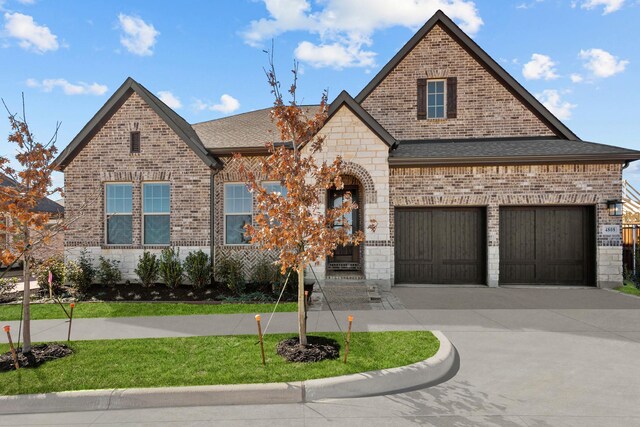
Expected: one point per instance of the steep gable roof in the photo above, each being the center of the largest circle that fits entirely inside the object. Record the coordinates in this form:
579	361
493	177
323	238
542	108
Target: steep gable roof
345	99
171	118
483	58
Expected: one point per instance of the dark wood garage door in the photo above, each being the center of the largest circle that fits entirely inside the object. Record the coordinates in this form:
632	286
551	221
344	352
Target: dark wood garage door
440	245
547	245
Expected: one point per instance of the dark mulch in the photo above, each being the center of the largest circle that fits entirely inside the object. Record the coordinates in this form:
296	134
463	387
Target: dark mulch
161	292
317	349
39	354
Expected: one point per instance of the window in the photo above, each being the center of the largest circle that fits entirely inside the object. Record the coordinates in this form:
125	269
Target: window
435	99
237	213
134	142
155	210
118	214
275	187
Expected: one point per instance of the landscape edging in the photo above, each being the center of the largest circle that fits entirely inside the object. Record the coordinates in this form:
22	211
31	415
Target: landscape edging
428	372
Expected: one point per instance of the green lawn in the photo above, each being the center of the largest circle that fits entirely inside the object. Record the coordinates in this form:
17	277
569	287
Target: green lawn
135	309
162	362
629	288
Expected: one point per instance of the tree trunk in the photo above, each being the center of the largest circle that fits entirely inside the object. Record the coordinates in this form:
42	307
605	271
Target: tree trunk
26	312
302	307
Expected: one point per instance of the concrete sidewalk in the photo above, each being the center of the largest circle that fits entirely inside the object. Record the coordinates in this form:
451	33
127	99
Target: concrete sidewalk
459	310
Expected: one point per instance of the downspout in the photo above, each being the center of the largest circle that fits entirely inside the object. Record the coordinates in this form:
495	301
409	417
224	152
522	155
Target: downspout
212	213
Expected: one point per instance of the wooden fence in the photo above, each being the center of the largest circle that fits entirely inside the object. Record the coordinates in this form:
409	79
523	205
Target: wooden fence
630	247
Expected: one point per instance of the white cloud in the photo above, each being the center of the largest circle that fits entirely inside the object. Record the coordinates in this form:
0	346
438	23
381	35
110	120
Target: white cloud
334	55
550	98
576	78
31	36
601	63
79	88
540	67
228	104
170	99
138	37
345	27
26	1
525	5
608	5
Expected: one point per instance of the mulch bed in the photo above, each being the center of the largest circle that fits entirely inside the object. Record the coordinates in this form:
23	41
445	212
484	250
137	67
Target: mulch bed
40	353
160	292
317	349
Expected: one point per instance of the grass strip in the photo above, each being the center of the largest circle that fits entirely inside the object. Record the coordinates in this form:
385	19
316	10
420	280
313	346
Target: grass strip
136	309
168	362
629	288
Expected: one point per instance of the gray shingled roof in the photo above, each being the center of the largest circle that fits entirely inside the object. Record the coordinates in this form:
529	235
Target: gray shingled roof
245	130
491	150
45	205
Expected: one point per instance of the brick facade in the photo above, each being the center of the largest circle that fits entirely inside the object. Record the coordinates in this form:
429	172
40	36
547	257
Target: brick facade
486	108
249	255
163	157
532	185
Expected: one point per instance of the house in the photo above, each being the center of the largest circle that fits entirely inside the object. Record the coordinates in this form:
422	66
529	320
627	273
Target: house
45	205
470	178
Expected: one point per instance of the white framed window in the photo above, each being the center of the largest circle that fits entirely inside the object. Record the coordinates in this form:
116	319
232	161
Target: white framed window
275	187
118	215
156	207
436	99
237	213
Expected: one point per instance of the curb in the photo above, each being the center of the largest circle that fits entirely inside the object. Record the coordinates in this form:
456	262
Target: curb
437	369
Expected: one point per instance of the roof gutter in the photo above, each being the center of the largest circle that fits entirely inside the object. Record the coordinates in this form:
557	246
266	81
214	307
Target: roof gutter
495	160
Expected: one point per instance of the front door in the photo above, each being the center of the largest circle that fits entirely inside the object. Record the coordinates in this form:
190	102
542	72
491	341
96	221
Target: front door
345	257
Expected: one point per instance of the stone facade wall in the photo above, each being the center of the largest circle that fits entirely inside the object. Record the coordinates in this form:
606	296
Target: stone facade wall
485	108
495	186
163	157
366	158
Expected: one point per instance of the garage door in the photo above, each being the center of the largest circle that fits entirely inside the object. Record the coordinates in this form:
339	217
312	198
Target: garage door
547	245
440	245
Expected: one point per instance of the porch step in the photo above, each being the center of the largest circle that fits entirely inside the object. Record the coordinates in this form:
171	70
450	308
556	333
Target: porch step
344	275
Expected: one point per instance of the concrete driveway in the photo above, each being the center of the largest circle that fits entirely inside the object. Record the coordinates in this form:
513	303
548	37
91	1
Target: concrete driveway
528	357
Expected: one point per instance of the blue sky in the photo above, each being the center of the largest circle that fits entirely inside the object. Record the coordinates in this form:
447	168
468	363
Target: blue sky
205	58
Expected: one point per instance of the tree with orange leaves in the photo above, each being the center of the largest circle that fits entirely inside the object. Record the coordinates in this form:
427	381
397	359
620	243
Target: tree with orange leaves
296	225
30	182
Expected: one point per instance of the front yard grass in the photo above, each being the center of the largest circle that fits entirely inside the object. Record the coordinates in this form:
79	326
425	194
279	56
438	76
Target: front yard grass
629	288
137	309
168	362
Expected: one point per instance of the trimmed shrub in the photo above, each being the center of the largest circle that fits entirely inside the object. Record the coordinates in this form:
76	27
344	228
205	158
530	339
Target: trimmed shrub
197	267
109	271
55	264
148	268
292	285
171	267
265	275
7	287
229	272
81	273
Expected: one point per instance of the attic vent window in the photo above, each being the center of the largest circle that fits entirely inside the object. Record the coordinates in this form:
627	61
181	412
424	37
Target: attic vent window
134	141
